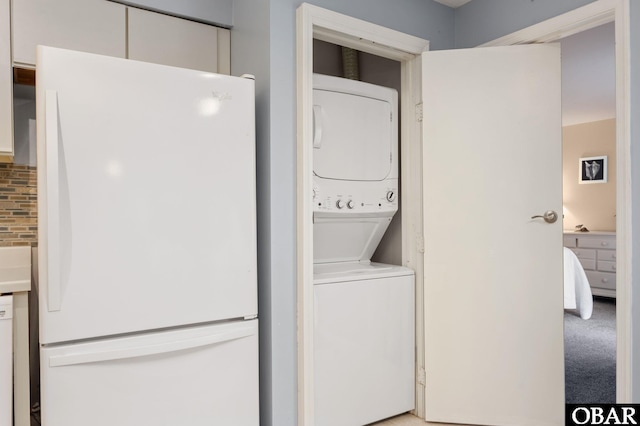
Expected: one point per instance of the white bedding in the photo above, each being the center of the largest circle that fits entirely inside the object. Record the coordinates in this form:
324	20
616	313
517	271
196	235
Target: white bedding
577	292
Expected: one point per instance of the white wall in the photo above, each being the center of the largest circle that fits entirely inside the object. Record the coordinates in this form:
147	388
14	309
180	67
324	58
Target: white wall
591	205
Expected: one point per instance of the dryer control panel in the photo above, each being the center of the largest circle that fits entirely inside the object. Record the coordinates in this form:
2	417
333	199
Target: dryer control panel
355	197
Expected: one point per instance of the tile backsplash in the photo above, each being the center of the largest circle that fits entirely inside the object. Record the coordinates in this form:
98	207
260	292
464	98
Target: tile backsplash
18	205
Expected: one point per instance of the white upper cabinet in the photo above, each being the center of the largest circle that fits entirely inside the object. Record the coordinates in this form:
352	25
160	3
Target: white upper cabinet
162	39
6	81
95	26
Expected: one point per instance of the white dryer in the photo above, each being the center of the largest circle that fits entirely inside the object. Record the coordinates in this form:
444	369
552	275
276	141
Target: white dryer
355	167
363	311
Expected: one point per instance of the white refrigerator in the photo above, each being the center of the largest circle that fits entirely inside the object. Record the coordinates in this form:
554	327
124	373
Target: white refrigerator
147	243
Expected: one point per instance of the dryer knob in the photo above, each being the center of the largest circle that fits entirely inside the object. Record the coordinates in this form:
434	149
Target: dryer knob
351	204
340	204
391	196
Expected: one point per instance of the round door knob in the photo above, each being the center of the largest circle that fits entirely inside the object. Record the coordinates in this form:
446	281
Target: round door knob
391	196
340	204
351	204
549	216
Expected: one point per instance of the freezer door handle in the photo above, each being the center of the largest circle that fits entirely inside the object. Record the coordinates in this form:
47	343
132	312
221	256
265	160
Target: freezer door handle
106	354
52	259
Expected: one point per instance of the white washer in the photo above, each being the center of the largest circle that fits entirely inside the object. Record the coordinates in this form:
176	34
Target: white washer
363	342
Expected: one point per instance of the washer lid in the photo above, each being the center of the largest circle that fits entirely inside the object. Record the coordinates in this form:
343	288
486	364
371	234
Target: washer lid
347	237
356	271
353	136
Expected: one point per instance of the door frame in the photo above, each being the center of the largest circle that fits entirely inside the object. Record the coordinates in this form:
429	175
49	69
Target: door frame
315	22
582	19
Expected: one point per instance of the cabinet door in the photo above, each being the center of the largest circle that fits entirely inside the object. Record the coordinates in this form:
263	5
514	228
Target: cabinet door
6	82
95	26
168	40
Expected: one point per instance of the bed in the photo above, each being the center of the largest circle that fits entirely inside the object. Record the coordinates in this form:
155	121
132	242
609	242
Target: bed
577	292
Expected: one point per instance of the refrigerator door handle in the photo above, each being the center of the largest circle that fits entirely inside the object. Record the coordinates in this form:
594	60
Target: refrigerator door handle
149	349
53	200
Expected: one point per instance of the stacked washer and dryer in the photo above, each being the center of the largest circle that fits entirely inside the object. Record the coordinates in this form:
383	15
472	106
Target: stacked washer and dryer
363	311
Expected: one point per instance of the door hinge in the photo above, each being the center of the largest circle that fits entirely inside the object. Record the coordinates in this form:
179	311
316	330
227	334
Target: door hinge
419	111
419	243
422	377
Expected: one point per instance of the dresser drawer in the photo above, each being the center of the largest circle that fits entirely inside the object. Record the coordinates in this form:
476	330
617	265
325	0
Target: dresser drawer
605	241
588	264
602	279
608	255
569	241
584	253
606	266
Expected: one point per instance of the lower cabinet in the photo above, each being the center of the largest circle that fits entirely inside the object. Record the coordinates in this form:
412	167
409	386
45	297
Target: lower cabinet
597	254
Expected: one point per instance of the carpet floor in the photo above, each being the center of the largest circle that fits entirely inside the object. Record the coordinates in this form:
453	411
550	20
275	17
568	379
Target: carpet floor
590	354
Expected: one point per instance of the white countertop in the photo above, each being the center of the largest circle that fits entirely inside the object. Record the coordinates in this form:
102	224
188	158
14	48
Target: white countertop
15	269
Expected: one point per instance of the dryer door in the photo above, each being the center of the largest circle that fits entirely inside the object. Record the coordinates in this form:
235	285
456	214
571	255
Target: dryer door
353	136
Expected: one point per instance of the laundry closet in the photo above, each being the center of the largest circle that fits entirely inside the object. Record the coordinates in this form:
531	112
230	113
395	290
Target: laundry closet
364	300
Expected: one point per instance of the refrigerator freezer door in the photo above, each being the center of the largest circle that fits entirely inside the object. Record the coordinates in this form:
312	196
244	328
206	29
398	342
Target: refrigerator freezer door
146	196
203	375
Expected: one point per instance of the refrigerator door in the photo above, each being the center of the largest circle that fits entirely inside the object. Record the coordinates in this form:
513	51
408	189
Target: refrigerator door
205	375
146	196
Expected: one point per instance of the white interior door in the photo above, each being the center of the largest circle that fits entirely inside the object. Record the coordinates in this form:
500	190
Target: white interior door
493	274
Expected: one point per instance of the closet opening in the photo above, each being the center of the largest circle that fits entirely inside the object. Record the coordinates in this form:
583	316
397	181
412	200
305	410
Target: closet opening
364	298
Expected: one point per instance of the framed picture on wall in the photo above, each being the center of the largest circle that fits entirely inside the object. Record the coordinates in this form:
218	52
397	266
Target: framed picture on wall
593	169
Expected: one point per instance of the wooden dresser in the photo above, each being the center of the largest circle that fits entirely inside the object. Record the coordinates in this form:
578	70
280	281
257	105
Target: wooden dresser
597	254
